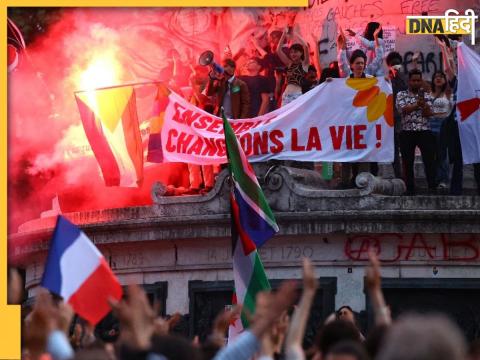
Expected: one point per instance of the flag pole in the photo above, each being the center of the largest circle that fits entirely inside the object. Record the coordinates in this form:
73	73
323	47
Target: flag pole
122	85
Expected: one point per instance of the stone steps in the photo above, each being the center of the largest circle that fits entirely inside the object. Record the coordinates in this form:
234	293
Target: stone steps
469	185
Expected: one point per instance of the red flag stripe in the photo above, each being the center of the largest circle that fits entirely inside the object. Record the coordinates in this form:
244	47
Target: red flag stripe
131	130
468	107
101	148
90	301
248	244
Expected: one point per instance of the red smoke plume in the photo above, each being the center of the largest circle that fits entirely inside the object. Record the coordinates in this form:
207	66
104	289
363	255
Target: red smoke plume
49	154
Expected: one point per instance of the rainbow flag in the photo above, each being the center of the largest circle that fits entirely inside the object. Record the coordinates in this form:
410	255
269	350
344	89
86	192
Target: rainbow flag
253	224
110	121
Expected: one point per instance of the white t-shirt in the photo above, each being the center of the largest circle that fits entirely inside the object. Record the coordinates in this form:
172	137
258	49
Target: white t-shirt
441	104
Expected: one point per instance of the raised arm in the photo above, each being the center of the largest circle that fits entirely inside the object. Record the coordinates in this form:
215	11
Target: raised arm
296	331
369	44
256	45
268	309
316	54
375	37
213	84
301	41
373	282
448	61
343	65
377	62
285	59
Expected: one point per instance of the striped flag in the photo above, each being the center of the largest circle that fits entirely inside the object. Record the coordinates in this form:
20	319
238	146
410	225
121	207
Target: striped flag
110	121
77	271
252	225
155	153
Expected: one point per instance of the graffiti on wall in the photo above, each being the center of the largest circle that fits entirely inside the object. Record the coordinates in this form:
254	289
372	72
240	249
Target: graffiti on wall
406	247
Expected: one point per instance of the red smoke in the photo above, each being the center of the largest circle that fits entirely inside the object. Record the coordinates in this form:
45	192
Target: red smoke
49	154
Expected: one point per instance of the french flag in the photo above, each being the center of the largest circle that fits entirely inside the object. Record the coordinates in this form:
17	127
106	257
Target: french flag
78	272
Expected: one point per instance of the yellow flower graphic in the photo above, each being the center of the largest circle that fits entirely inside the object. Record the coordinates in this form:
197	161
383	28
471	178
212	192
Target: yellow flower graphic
369	95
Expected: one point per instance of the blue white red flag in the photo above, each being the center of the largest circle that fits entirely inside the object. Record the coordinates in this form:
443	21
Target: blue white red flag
78	272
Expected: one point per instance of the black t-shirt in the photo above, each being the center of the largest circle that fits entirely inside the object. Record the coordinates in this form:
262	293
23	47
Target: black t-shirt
270	62
308	85
257	85
399	83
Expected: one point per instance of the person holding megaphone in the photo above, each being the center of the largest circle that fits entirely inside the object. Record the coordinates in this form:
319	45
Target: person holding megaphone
231	93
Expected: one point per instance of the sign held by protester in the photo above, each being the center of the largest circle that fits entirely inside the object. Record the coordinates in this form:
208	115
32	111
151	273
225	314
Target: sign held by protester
345	120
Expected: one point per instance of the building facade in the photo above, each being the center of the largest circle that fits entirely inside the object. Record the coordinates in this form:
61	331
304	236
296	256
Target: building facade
180	247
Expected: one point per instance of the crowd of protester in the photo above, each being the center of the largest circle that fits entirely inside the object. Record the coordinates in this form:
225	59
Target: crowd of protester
272	75
48	332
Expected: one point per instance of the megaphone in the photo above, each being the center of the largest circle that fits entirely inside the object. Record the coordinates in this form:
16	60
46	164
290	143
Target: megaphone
206	59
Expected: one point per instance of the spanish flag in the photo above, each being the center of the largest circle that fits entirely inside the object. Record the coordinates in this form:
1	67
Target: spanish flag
110	121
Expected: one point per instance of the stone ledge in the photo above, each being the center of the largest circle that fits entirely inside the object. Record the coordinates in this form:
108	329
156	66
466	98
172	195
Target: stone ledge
22	245
299	198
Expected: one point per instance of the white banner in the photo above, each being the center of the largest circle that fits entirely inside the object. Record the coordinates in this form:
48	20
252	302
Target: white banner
345	120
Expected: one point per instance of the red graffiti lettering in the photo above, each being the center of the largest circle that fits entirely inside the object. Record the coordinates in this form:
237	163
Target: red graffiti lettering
470	250
417	242
405	247
358	247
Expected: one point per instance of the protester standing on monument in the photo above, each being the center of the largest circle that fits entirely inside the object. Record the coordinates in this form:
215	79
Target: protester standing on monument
271	63
452	136
399	83
368	40
415	107
258	88
231	93
297	63
357	68
202	177
441	107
